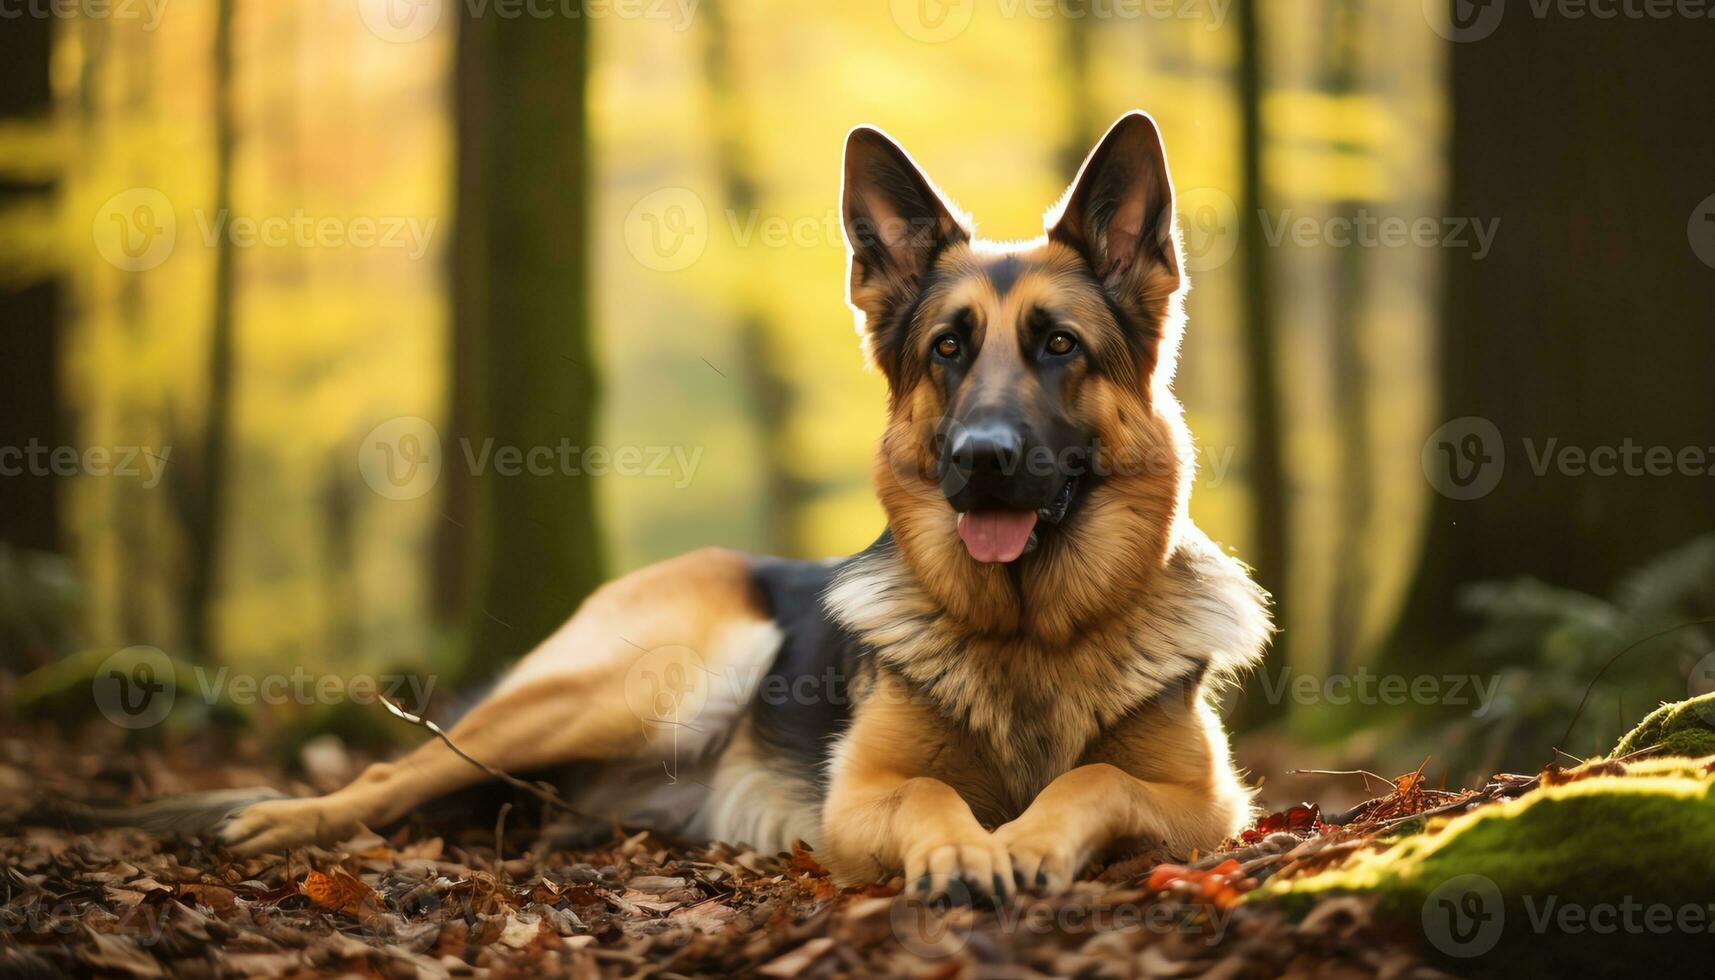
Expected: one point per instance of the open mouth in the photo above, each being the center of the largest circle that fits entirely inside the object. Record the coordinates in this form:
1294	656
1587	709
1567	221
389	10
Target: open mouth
1002	536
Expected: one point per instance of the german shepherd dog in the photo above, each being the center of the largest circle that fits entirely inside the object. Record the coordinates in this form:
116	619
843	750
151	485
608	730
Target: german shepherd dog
1012	680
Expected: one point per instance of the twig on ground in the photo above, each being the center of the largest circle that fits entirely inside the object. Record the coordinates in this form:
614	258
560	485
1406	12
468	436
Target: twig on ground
541	791
1342	772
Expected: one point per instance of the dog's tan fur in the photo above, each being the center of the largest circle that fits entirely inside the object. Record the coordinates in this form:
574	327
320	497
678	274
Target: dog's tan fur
1011	719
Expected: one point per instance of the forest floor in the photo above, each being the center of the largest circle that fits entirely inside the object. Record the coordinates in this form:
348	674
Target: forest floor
465	894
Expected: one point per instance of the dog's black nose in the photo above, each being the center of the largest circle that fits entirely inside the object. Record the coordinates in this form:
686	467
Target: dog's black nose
987	453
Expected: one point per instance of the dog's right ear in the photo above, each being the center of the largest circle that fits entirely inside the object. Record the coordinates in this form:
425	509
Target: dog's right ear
895	224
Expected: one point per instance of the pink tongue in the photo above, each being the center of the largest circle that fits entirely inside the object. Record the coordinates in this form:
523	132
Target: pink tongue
996	535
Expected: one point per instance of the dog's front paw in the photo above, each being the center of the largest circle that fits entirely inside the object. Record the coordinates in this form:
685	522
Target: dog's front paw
277	825
973	869
1042	856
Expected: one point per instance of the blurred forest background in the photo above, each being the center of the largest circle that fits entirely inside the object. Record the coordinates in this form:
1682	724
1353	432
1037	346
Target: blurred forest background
620	230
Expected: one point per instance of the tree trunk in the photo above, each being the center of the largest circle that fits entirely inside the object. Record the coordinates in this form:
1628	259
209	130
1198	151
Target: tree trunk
1350	294
29	369
1589	320
455	533
539	550
1265	476
206	511
1270	511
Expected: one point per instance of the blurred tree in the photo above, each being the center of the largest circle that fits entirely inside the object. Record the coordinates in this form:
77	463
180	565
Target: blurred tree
770	393
202	479
1350	376
1081	123
1269	510
454	558
29	297
1587	324
1267	477
535	549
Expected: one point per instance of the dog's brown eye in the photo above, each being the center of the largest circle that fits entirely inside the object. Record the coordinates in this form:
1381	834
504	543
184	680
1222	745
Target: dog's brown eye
1061	342
947	346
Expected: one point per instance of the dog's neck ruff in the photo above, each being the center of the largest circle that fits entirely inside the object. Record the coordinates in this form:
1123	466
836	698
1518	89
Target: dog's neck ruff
1199	616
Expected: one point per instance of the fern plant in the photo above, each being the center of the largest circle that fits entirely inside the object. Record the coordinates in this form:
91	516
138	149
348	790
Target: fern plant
1577	671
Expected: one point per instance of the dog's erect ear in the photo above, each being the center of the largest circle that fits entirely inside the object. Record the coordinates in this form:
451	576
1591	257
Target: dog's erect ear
1119	211
895	222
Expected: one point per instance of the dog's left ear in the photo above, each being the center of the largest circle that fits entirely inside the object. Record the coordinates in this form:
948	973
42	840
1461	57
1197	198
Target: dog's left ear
1119	212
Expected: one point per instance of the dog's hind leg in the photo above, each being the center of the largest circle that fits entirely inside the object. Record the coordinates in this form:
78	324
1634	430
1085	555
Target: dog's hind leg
659	663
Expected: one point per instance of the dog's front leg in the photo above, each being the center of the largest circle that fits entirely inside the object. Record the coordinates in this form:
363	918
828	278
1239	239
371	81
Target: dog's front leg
883	816
879	822
1085	810
1163	778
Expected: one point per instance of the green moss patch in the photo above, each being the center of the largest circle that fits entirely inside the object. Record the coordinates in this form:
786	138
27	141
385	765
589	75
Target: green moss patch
1606	873
1681	728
